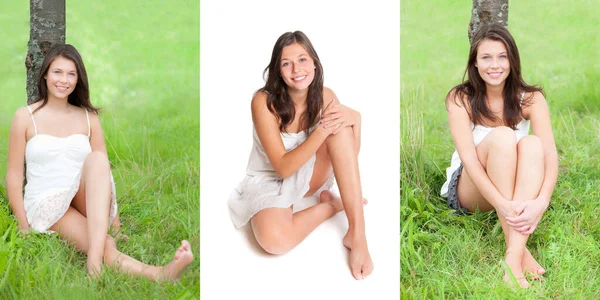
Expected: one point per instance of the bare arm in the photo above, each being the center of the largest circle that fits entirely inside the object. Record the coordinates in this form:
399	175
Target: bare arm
285	163
460	128
16	159
539	115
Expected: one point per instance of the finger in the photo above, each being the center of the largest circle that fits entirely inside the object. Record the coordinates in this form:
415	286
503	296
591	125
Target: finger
522	228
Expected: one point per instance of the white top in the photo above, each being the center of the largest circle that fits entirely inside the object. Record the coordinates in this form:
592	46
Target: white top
479	133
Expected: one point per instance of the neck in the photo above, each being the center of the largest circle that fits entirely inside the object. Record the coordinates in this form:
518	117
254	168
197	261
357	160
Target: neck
494	92
298	97
57	103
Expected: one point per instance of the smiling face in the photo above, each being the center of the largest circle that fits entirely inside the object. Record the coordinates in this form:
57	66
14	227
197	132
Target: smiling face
61	78
297	68
492	63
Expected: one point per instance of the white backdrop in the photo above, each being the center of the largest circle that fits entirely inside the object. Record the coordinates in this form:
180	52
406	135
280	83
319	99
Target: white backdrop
359	47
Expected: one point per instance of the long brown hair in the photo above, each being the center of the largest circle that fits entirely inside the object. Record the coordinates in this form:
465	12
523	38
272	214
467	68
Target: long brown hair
80	97
278	100
472	92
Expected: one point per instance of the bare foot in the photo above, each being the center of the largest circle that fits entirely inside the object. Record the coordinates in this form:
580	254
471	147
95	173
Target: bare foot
360	261
183	257
530	265
513	260
335	201
331	199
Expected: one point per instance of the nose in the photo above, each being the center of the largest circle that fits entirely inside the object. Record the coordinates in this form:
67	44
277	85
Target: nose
495	63
63	77
296	68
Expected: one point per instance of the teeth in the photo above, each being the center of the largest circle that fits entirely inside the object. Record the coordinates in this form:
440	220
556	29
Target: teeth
299	78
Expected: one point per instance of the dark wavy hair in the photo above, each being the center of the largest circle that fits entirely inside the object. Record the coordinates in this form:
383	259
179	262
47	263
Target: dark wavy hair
80	97
472	91
278	100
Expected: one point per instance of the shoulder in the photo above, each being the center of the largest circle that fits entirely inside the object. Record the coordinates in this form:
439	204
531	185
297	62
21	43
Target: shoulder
328	96
533	101
22	116
259	101
457	98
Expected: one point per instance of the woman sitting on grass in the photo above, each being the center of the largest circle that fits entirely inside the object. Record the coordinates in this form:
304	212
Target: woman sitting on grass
497	164
300	134
69	184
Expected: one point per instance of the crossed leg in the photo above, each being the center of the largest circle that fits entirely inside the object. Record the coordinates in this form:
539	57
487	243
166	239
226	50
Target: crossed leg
517	171
89	233
278	230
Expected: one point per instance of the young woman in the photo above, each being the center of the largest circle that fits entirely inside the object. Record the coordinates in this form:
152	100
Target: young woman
300	133
497	164
69	186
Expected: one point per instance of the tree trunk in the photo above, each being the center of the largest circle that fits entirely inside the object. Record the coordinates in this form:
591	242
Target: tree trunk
487	12
47	28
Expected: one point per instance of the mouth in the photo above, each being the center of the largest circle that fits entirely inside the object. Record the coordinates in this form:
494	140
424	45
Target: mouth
62	88
495	74
299	78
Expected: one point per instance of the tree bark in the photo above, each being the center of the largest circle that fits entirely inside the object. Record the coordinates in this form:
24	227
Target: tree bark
47	28
487	12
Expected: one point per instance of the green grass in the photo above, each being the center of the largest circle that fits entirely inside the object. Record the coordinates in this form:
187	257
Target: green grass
142	59
448	256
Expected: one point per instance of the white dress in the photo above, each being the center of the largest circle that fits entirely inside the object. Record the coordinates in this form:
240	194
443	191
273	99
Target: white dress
263	188
53	175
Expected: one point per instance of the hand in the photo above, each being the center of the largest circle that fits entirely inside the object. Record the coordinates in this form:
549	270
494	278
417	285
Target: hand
24	230
528	214
339	116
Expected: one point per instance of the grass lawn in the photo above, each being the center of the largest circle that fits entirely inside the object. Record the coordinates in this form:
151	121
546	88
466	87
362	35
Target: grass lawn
142	59
448	256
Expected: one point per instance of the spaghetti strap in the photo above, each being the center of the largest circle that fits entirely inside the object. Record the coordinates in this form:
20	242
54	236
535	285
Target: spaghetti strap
31	114
522	97
87	116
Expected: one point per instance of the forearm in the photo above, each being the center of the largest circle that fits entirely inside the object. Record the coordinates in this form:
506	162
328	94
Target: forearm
14	190
484	185
291	161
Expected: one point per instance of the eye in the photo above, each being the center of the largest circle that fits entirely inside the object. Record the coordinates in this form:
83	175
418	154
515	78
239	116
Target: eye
303	59
285	64
56	72
503	56
486	57
72	74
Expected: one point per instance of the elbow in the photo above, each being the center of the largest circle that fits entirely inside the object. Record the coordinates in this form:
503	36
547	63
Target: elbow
283	174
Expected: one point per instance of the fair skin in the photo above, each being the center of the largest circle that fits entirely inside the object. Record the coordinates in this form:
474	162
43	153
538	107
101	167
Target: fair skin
278	230
85	223
515	179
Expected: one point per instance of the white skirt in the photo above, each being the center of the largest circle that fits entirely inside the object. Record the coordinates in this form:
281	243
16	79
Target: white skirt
256	193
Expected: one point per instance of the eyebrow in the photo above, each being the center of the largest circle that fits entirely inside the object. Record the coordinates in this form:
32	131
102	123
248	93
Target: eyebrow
485	53
283	58
54	69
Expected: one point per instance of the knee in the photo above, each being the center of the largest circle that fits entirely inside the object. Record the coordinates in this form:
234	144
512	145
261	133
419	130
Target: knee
273	241
503	138
97	159
531	146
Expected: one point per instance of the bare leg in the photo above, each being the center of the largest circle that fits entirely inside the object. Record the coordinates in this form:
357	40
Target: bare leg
530	176
345	167
79	203
73	227
96	177
498	155
278	230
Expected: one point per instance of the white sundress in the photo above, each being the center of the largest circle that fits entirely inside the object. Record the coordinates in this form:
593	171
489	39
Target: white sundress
263	188
53	175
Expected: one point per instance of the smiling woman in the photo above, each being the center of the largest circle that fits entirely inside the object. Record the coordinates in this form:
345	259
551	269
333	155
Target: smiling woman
70	188
497	165
302	136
